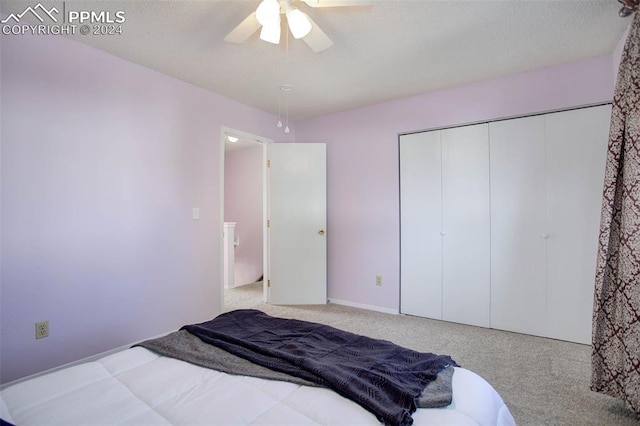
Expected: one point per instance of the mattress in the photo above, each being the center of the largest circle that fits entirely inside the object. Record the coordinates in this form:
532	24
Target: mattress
138	387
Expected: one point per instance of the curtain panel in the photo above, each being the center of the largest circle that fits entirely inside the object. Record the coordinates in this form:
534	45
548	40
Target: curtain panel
616	316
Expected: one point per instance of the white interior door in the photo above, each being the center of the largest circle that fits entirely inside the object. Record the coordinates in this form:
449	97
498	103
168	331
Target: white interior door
297	224
576	158
466	225
518	227
420	225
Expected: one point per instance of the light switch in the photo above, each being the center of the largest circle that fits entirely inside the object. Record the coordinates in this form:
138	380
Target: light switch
196	213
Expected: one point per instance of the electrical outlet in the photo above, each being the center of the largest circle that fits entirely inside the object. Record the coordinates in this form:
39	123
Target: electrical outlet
42	329
379	280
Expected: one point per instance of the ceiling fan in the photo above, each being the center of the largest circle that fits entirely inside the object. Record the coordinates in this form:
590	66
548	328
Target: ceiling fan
267	17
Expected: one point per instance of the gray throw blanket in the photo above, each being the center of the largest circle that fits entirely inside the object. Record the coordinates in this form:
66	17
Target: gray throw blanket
386	379
185	346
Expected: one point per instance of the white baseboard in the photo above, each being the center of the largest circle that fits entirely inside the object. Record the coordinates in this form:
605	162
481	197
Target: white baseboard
77	362
363	306
121	348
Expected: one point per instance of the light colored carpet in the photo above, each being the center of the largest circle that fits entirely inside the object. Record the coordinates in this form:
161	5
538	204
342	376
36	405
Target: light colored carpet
542	381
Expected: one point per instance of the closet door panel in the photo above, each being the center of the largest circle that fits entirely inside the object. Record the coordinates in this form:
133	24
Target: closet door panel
576	154
465	214
420	223
518	244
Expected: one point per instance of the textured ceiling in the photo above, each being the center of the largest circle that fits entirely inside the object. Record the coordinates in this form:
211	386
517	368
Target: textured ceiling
385	51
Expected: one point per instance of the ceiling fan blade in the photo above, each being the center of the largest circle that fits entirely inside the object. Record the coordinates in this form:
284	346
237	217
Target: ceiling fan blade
317	40
244	30
337	3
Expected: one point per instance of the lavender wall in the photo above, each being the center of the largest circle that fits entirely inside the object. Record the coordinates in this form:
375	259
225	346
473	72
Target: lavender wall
102	163
363	196
243	205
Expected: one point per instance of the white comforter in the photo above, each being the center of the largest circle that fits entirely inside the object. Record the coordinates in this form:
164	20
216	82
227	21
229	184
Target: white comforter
138	387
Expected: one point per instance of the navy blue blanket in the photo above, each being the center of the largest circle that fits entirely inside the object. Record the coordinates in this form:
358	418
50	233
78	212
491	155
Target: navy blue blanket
382	377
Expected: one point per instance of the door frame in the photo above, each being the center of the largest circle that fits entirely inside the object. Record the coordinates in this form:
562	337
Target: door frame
224	132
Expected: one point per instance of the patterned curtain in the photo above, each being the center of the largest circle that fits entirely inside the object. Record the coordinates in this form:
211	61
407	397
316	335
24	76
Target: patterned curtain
616	318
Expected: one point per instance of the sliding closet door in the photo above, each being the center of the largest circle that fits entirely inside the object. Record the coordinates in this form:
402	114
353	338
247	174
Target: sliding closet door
465	225
420	224
576	156
518	229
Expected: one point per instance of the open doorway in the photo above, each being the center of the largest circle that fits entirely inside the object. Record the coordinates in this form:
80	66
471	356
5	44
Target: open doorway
244	212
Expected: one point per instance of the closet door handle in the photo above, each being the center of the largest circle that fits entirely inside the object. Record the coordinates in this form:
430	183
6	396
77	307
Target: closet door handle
321	232
545	236
442	233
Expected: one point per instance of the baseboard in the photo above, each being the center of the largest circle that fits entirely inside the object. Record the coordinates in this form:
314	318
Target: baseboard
363	306
121	348
77	362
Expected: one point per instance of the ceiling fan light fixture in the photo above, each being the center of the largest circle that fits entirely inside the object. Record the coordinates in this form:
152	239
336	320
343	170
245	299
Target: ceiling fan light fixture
271	33
268	12
298	23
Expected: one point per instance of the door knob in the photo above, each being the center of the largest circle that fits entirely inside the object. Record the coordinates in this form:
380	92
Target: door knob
321	232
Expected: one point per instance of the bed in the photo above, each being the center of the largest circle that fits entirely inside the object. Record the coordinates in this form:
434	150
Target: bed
150	384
